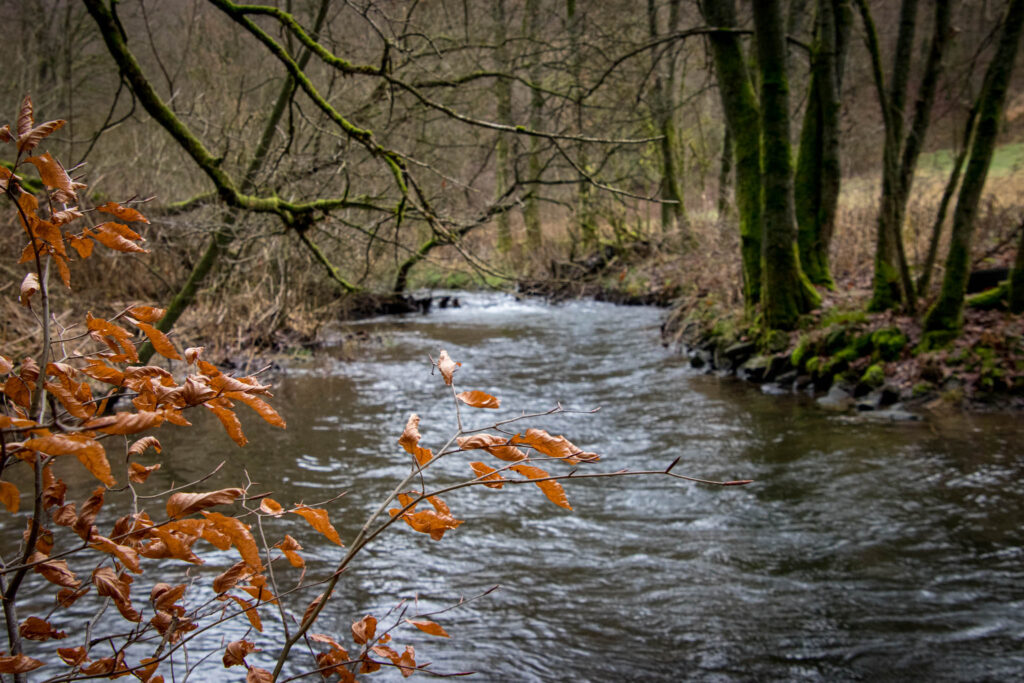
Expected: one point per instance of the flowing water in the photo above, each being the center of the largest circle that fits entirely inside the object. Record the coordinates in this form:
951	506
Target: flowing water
863	551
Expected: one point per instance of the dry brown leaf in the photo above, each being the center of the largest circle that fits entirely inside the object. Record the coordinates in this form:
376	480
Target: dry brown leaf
248	609
447	366
127	423
72	656
240	537
183	504
410	441
88	451
35	628
319	520
228	419
10	496
52	173
29	286
235	652
28	141
498	446
126	554
138	474
111	235
164	595
140	446
18	664
55	571
554	446
262	408
258	675
489	475
289	546
478	399
430	627
16	390
147	314
225	581
552	489
271	507
160	341
364	629
108	584
125	213
90	508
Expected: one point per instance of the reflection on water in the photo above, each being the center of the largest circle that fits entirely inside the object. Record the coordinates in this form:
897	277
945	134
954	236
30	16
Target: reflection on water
863	550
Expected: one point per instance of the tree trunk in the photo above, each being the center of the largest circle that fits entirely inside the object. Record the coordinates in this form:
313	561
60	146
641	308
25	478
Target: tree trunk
818	173
1016	294
928	267
946	314
663	99
891	284
742	118
724	173
587	227
786	292
503	92
531	209
224	235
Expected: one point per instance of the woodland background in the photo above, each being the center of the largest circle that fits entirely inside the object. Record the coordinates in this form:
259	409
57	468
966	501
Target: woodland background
624	97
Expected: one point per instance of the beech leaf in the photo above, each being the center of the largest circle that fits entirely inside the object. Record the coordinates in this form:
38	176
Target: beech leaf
52	173
28	142
234	653
554	446
489	475
364	629
478	399
29	286
498	446
125	213
446	366
289	546
10	496
228	419
410	441
160	341
183	504
318	519
430	627
18	664
552	489
240	537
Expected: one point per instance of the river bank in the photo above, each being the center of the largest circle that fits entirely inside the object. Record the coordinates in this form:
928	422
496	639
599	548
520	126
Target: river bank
852	360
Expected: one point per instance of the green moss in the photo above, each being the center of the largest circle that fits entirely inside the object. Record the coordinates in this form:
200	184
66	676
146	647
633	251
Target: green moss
990	299
837	316
774	341
935	340
888	342
836	338
922	388
814	365
799	354
874	376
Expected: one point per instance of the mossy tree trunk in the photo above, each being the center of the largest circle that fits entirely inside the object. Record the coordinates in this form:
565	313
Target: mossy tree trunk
1016	296
892	284
818	173
531	208
221	238
786	292
946	314
742	116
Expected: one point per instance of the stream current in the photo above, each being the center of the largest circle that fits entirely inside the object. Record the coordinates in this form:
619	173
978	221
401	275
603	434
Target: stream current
862	551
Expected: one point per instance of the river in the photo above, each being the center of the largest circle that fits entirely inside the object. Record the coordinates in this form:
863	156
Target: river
862	551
